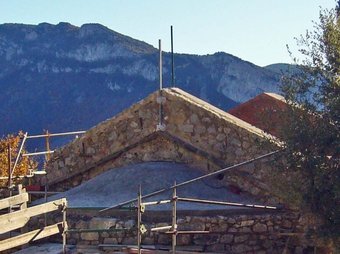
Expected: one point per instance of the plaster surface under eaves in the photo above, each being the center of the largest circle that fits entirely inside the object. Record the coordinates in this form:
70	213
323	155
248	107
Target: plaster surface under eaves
121	184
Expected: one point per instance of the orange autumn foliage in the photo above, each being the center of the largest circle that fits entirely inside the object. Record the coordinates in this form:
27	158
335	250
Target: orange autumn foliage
24	164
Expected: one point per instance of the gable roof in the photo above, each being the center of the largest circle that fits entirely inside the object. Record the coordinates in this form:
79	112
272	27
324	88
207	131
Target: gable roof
226	116
190	122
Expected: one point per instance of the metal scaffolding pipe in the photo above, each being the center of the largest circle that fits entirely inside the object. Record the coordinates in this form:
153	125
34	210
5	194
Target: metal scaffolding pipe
56	134
13	177
160	228
160	65
160	202
38	153
174	219
172	59
91	230
19	152
187	232
139	219
213	202
43	192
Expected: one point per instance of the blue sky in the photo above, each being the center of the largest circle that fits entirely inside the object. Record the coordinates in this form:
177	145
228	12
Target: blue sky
254	30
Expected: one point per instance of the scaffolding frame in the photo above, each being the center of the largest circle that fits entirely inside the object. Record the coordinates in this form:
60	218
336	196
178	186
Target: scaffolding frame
173	228
47	153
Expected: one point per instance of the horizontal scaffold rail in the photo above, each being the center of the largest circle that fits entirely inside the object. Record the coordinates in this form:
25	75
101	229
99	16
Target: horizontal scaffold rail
56	134
179	232
159	202
37	153
160	228
214	202
92	230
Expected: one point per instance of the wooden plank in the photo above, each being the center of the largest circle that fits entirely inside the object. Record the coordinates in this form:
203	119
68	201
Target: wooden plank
30	236
24	229
15	200
13	224
22	190
18	219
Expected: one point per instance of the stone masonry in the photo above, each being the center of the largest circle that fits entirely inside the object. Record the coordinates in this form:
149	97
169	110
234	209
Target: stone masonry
195	133
240	232
171	125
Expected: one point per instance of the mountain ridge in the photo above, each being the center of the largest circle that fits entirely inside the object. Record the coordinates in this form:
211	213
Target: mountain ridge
63	77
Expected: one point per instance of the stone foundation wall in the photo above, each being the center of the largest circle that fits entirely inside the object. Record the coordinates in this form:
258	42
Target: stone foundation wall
239	232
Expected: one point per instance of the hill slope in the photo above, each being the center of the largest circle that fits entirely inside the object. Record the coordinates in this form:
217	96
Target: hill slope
62	77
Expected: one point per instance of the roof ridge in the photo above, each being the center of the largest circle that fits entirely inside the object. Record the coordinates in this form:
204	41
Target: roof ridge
219	112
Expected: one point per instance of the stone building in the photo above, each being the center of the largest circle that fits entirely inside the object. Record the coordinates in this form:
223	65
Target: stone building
172	126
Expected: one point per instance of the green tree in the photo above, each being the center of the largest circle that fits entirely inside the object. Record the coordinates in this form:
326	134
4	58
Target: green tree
311	130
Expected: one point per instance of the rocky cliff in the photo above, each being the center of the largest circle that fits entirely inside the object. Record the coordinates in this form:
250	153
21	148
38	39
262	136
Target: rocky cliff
62	77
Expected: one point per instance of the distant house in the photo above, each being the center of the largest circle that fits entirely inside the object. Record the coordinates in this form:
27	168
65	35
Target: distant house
262	112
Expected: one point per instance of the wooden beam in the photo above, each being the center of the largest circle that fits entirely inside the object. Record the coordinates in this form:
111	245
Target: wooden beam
30	236
15	200
18	219
22	190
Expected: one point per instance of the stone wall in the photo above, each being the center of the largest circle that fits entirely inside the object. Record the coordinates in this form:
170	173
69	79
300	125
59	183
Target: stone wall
194	133
211	129
240	232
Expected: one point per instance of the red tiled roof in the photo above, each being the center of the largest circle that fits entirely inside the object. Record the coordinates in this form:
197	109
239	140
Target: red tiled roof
262	111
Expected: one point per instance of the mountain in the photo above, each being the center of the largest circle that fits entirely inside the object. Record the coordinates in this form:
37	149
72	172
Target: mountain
64	78
283	68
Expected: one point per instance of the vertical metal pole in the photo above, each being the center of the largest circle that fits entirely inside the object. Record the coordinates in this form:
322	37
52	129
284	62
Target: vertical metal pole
47	158
172	60
9	159
139	218
48	155
160	122
45	196
65	227
29	195
45	189
174	219
160	65
160	111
